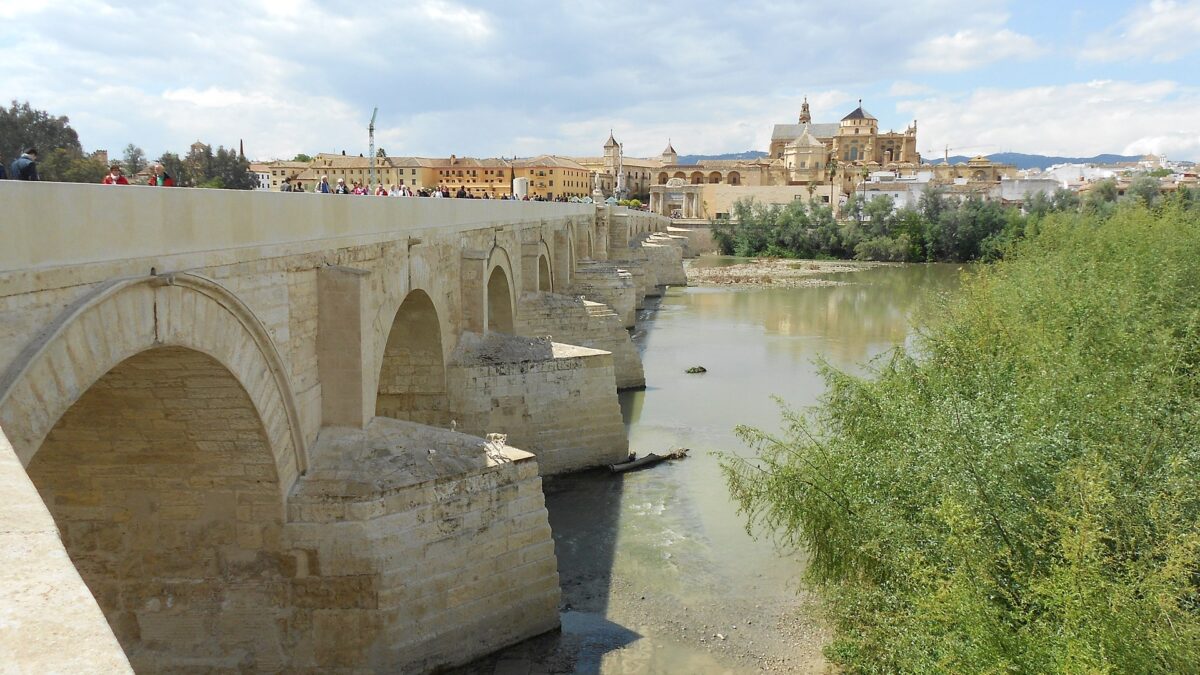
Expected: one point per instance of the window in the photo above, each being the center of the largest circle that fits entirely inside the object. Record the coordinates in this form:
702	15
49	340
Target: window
551	183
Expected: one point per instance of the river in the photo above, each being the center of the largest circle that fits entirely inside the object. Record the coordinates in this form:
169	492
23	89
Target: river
658	572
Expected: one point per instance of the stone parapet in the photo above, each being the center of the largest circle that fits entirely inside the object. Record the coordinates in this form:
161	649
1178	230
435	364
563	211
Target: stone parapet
573	320
555	400
49	621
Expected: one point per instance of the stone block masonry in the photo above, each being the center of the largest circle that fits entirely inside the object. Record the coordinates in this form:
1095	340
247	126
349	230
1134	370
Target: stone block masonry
203	405
609	284
416	548
554	400
573	320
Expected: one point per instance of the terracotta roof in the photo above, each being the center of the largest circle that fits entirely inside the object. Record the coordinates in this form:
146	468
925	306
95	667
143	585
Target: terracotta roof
550	160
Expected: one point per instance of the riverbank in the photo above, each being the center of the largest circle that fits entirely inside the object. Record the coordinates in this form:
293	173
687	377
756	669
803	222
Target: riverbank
774	272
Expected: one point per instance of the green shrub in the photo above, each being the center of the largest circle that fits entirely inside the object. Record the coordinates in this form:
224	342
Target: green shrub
1021	492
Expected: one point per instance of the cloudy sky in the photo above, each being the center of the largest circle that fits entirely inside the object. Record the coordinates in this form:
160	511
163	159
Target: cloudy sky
520	77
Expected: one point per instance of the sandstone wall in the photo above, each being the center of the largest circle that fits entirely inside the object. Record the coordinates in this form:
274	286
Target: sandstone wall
559	406
416	548
50	621
573	320
609	284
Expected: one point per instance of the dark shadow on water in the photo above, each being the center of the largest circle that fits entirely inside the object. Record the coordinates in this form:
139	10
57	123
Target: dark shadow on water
584	510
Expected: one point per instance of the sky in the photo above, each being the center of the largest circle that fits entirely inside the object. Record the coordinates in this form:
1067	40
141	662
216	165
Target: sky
521	78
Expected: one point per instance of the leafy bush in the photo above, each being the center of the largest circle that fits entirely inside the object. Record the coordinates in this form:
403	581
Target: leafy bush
1021	492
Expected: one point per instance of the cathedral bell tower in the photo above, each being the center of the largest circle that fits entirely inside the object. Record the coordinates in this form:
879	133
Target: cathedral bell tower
805	118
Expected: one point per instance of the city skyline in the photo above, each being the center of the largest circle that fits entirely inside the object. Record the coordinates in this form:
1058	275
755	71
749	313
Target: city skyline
1073	79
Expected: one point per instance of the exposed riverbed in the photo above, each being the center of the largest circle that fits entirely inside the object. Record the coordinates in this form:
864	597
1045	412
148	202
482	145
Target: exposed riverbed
658	573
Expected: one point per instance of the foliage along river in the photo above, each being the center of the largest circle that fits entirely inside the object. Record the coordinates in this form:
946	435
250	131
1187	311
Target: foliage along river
658	572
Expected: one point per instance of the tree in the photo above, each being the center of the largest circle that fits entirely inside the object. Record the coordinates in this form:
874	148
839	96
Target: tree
301	157
1144	188
231	170
176	169
1017	491
21	126
134	159
65	165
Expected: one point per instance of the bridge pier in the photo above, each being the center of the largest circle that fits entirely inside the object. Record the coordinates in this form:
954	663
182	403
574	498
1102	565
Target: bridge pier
555	400
416	548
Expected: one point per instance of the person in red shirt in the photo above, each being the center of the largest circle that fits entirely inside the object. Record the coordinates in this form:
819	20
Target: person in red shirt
115	177
160	177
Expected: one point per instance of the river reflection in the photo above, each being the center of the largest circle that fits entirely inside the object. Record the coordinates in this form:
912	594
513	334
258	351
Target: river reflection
656	564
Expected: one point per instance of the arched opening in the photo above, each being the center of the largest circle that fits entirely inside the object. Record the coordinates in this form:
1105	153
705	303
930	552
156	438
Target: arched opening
164	487
412	377
734	178
499	302
662	178
697	178
680	175
714	177
544	281
570	256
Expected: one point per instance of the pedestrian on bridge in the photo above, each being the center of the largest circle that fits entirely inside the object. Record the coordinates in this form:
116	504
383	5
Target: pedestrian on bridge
25	167
160	178
115	176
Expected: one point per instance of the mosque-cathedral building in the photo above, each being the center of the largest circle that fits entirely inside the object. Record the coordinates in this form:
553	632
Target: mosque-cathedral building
816	161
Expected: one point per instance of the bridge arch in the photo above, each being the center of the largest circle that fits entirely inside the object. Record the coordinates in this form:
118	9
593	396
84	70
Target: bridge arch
412	364
125	317
545	269
499	312
571	259
164	450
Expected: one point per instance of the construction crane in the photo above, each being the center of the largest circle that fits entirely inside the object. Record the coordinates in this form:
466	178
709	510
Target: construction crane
946	150
371	135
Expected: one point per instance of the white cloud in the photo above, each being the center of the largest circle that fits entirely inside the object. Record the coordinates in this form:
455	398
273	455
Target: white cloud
474	78
906	88
971	48
1164	30
468	22
1080	119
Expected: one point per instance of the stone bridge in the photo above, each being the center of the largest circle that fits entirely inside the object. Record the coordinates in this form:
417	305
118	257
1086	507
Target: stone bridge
245	431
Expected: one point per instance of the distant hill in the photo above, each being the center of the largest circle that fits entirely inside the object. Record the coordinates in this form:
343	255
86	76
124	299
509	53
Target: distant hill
696	159
1023	161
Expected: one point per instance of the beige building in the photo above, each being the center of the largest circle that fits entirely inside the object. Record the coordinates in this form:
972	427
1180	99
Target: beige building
853	140
554	177
823	162
491	177
638	174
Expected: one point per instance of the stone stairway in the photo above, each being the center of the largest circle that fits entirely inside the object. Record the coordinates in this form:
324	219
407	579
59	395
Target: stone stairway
574	320
610	284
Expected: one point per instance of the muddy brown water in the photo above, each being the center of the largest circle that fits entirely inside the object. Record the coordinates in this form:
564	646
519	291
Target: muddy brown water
657	570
